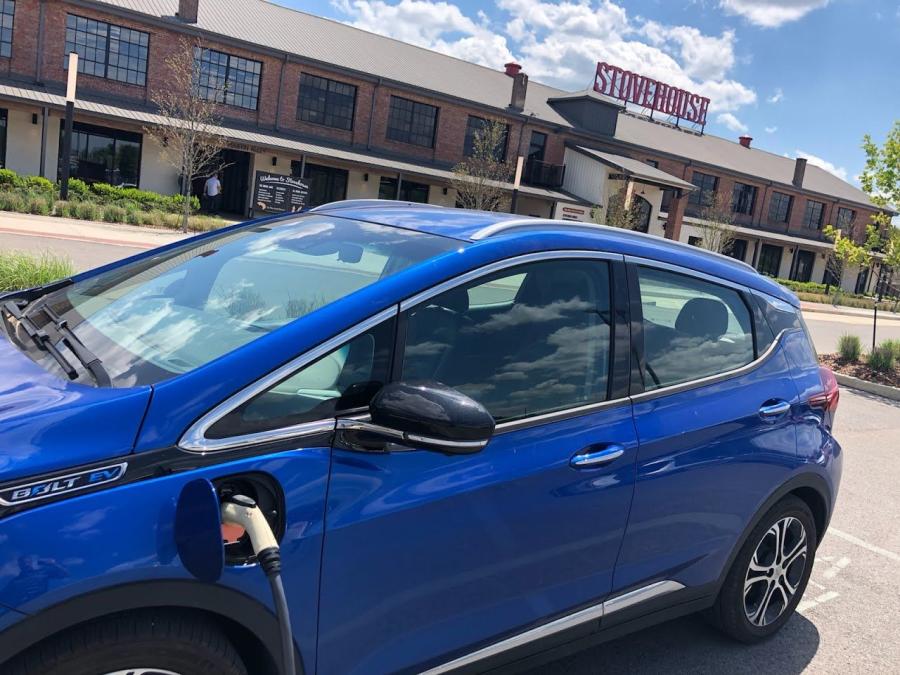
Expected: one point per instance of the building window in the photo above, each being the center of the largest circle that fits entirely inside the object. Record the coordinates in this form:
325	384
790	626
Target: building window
409	190
845	219
7	10
695	241
780	207
652	162
743	198
769	260
103	155
411	122
107	50
326	102
326	184
537	146
737	249
477	125
803	266
3	123
228	79
812	217
705	194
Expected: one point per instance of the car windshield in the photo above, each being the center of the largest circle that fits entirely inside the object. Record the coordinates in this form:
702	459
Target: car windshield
170	313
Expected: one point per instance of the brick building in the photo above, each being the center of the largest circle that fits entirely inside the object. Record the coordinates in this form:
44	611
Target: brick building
362	116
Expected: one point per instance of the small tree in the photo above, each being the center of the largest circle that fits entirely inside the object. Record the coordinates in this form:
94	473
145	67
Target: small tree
187	131
617	214
716	224
880	179
479	179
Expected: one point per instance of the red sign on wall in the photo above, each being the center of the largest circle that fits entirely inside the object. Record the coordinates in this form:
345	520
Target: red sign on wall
649	93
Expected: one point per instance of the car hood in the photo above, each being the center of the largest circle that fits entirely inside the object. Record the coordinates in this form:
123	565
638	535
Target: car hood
49	424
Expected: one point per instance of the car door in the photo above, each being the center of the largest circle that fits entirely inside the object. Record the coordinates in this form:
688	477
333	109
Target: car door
713	410
430	556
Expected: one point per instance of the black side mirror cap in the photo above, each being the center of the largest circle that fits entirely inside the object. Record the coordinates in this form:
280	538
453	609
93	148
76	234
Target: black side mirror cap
432	416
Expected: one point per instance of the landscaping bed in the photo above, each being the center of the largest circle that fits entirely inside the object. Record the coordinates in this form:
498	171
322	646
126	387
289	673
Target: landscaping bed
881	365
860	370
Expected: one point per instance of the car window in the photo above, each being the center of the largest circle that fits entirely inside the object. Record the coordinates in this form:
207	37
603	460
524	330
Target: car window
179	309
344	379
692	328
547	348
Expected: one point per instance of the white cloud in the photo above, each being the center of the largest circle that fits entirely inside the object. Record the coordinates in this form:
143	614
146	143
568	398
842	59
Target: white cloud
732	122
771	130
777	96
560	42
838	171
771	13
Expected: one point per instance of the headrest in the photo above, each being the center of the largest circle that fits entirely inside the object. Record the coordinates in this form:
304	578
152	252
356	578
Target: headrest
456	299
556	285
703	317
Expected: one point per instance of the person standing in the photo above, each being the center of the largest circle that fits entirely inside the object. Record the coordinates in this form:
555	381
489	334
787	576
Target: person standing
212	193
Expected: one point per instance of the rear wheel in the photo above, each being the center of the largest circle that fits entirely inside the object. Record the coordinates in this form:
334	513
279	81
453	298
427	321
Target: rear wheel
769	574
140	643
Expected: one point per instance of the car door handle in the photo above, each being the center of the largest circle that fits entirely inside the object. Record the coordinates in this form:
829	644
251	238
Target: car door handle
592	458
774	409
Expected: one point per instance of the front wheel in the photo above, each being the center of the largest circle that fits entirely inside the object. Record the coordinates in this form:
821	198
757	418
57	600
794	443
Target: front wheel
769	574
152	642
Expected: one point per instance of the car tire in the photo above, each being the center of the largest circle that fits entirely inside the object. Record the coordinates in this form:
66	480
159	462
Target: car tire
757	599
161	642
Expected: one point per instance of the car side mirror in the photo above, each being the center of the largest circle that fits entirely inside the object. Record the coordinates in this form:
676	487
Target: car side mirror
426	415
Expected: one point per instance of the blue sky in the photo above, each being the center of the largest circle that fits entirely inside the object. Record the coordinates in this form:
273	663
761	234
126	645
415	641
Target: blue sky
806	77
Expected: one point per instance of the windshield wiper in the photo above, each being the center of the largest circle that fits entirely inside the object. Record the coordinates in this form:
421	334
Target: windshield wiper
88	359
39	337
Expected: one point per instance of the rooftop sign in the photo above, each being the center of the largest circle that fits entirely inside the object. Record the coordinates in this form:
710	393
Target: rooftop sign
649	93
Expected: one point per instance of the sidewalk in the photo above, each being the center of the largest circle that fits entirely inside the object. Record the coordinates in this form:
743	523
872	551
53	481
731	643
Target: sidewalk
820	308
110	234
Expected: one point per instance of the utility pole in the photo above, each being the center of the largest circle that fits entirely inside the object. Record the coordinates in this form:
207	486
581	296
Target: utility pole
70	117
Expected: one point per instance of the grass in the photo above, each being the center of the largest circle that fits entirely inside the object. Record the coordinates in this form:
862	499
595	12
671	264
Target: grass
849	347
23	270
881	359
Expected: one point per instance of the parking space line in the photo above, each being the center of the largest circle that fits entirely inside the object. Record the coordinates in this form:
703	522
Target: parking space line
864	544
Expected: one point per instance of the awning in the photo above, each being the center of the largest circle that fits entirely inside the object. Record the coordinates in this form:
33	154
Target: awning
264	141
636	170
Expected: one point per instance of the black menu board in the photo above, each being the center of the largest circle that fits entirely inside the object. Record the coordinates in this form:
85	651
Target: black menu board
275	193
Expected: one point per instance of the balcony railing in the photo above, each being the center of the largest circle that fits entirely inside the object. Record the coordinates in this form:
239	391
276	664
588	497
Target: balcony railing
543	174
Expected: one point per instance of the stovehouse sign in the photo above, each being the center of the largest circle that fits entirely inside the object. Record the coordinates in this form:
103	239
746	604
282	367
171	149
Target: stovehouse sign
649	93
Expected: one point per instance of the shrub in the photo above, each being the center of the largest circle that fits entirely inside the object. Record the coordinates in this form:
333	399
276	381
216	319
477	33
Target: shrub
11	201
205	223
9	178
849	347
38	205
894	346
804	286
39	185
21	270
114	214
78	189
64	209
146	200
88	211
881	359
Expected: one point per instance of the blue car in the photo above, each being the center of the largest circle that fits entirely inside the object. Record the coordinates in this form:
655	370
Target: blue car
382	437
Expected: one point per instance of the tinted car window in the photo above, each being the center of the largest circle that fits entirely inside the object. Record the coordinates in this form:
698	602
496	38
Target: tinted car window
342	380
180	309
692	328
537	340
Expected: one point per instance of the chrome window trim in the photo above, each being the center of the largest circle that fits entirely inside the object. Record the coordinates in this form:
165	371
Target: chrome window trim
592	613
559	415
686	271
499	265
712	379
194	439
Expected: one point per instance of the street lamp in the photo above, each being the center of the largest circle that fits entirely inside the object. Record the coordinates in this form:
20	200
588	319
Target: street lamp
70	115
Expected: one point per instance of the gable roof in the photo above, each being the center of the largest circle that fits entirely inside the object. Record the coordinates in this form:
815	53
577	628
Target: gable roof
330	42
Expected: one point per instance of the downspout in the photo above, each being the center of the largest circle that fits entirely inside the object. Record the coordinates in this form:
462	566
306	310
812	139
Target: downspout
45	117
38	58
372	114
280	89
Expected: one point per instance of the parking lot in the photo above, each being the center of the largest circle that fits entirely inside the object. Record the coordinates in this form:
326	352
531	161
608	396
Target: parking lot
847	621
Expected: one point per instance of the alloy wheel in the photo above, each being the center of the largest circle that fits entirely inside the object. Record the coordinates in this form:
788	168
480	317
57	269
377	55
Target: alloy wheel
775	572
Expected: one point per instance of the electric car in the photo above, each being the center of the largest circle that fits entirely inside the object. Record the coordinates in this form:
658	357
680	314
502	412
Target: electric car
476	439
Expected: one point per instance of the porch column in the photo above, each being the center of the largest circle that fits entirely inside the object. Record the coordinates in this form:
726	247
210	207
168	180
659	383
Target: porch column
676	215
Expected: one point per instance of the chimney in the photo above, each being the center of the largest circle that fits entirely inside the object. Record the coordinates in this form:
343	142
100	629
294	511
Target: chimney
512	68
187	10
745	140
799	172
519	89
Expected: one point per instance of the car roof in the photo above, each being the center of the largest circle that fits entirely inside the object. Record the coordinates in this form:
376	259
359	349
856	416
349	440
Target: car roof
474	226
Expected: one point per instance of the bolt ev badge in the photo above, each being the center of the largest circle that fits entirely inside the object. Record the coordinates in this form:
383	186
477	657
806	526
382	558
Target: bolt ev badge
61	485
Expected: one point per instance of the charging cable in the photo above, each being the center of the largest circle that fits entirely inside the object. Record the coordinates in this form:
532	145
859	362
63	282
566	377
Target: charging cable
242	511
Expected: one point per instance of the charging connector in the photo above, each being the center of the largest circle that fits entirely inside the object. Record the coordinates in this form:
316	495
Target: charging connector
242	511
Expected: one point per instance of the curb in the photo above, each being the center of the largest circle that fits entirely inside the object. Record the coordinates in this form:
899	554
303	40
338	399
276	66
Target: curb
884	390
819	308
87	240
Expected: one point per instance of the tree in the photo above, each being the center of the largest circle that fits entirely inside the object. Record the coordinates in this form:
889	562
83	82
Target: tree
479	179
187	133
617	214
880	179
716	224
